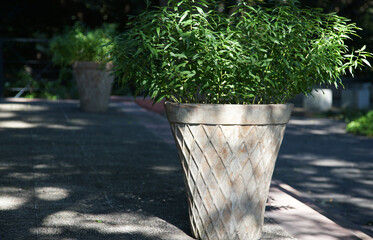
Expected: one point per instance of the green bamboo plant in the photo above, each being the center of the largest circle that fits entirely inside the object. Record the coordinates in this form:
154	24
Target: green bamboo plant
192	51
80	43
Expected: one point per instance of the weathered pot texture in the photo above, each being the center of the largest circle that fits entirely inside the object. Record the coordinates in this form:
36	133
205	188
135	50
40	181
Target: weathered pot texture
228	154
94	82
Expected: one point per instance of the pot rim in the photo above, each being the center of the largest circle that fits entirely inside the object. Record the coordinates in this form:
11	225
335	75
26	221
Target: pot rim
92	65
228	114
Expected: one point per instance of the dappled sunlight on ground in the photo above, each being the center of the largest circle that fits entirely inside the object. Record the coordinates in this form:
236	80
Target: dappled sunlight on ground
316	160
15	107
8	202
16	124
51	193
105	223
26	176
24	124
165	169
75	175
5	115
315	126
31	119
331	167
46	231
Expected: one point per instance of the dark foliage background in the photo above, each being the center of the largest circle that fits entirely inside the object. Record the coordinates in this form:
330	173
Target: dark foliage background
44	18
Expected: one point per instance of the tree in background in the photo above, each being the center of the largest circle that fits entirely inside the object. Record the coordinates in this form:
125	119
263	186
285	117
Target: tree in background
24	18
43	18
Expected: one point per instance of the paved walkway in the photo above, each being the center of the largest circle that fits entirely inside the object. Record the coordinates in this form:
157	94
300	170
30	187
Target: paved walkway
66	174
330	167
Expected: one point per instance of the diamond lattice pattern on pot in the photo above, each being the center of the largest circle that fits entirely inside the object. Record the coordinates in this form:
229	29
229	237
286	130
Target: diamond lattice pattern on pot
227	170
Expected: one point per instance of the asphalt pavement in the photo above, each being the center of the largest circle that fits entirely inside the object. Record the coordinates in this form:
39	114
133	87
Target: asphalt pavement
66	174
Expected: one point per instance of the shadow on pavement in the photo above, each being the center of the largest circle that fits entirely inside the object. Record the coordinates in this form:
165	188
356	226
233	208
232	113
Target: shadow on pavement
69	174
66	174
333	168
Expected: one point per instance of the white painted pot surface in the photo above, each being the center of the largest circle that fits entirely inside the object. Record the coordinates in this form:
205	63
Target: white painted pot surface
228	154
94	85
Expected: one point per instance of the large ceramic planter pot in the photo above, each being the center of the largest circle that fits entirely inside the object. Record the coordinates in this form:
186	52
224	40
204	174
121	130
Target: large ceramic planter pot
94	82
228	154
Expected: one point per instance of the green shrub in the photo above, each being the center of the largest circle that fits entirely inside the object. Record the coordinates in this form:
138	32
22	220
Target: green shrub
194	52
362	126
82	44
52	89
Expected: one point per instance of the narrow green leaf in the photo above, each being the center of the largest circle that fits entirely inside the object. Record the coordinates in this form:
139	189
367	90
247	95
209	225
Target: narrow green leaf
167	46
184	16
158	31
366	62
200	10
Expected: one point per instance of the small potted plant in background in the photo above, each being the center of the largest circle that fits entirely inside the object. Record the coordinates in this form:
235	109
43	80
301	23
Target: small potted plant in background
227	75
87	51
